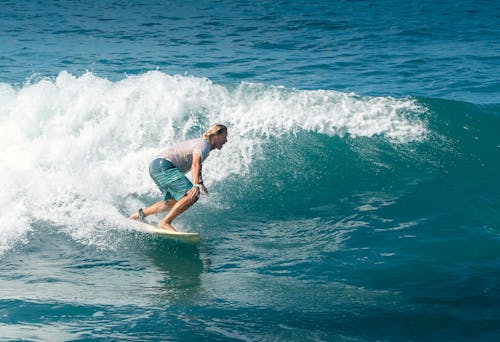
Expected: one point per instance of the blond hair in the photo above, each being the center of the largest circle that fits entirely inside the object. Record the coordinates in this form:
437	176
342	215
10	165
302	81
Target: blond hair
215	129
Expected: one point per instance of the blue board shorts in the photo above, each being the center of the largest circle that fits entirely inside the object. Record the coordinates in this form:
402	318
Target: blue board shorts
172	183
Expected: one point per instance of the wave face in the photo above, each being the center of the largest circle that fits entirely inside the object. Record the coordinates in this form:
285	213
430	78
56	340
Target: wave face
76	149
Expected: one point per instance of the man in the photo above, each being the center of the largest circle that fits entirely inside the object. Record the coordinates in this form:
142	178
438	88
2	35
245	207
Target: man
168	172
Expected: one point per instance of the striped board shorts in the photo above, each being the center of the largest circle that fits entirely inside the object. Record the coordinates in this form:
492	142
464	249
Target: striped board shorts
172	183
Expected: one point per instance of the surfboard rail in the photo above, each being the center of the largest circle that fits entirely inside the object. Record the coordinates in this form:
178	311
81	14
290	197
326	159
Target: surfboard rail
186	237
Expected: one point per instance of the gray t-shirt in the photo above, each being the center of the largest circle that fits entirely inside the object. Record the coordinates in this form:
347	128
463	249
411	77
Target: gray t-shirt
181	155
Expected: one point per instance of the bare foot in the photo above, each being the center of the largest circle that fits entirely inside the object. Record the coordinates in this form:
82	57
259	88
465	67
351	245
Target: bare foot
134	216
166	226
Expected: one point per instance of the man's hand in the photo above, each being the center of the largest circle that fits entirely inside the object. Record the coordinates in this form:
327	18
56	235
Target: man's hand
204	189
194	193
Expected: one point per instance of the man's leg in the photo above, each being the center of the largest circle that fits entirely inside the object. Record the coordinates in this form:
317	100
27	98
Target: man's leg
178	208
156	208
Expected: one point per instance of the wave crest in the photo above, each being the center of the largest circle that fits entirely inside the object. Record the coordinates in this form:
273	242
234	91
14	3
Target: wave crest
76	148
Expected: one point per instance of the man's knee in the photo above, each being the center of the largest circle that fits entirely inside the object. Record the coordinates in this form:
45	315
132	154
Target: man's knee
190	200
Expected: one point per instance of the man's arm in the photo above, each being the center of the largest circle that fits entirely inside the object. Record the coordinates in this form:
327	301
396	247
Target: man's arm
196	172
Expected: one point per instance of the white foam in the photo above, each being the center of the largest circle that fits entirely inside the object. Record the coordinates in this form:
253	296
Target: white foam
76	149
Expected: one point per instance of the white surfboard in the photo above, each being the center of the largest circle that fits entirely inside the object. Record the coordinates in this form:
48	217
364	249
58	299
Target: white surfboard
192	238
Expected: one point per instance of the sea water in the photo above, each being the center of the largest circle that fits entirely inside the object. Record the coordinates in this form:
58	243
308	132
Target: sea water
358	197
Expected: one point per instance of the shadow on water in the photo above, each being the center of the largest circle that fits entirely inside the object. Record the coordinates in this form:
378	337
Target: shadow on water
180	266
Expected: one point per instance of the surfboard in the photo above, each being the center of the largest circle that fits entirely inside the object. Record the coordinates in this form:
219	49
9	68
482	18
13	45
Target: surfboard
192	238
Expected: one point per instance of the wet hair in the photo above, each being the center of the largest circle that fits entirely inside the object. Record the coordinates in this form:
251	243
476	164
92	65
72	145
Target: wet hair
214	130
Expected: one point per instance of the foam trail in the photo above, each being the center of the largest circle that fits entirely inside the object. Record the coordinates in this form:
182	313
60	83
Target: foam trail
76	149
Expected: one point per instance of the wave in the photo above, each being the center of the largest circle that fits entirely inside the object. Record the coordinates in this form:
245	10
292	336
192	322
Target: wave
76	149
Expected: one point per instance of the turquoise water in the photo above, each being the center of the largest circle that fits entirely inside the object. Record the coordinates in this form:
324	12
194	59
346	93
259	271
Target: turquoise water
357	199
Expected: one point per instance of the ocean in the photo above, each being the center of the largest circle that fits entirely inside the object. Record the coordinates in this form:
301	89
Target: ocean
357	198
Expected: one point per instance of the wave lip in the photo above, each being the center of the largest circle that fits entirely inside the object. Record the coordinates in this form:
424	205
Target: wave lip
274	110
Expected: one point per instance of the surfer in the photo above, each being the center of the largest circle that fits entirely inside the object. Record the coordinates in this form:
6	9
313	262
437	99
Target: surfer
168	172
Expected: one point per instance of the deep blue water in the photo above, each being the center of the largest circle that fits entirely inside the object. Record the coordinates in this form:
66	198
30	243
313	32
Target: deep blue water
357	199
